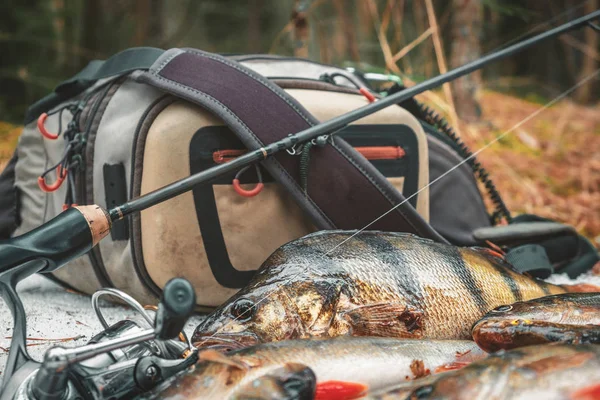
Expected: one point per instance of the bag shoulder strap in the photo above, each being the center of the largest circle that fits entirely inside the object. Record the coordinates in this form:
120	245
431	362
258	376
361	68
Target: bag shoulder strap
344	190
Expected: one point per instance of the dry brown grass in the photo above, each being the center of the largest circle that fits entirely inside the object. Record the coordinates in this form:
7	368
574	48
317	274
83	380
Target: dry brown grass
550	166
9	134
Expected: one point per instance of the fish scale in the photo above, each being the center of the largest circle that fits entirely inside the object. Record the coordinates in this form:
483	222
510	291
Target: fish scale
368	284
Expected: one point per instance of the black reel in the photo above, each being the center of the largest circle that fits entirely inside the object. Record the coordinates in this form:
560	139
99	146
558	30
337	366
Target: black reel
127	359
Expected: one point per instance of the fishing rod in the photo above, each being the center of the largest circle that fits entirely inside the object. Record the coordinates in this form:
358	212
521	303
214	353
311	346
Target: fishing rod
75	231
335	124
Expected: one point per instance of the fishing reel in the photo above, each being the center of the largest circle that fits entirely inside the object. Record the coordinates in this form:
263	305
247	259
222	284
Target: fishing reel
127	359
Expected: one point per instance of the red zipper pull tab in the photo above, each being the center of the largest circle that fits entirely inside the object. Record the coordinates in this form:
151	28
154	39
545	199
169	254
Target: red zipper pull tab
365	92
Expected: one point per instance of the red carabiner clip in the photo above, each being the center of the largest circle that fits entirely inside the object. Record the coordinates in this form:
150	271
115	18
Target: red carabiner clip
40	124
61	176
248	193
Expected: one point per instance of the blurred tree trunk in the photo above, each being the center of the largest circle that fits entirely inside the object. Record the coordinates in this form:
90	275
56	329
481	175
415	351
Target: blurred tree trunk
570	53
348	27
324	47
142	15
397	19
90	36
254	12
156	24
301	34
58	23
466	30
426	48
149	23
584	94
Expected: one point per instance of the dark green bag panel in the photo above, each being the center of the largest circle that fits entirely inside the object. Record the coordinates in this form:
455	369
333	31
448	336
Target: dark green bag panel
9	200
567	251
137	58
456	208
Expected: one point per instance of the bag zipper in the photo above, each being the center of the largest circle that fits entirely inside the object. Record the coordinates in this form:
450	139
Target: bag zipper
94	255
381	152
369	152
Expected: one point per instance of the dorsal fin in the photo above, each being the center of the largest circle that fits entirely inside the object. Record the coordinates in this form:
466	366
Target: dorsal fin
494	256
217	357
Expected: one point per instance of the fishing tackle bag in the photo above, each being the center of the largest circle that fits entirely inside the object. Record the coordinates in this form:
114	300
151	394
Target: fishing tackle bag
147	117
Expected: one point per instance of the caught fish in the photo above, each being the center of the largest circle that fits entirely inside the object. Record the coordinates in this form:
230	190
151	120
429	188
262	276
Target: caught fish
345	367
567	318
290	382
374	284
403	390
549	372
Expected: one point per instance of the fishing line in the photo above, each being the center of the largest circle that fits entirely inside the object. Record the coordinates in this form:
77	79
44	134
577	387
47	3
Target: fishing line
535	113
517	125
559	97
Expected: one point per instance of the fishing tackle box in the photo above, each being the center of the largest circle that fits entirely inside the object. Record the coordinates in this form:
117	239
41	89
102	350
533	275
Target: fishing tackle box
127	128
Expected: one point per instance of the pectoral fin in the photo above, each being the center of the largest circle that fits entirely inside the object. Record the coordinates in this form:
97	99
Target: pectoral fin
217	357
385	319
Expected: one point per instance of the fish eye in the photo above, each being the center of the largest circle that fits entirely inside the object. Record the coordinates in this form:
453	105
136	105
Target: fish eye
502	308
242	309
423	392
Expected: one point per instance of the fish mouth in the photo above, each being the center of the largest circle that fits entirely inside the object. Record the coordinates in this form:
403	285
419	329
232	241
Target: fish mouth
492	336
224	342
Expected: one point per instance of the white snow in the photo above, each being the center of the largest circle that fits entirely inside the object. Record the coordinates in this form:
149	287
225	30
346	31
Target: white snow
561	279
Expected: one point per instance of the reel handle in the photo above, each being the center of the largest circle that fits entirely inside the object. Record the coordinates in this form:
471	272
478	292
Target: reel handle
176	306
58	241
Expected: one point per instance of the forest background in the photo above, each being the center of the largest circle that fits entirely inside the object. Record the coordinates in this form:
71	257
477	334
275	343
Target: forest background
549	166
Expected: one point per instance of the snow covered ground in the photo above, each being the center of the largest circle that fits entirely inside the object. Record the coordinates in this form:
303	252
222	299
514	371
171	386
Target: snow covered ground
54	313
562	279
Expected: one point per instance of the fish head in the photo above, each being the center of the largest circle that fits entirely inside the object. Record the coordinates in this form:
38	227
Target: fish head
291	381
218	376
268	311
519	324
498	329
214	376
